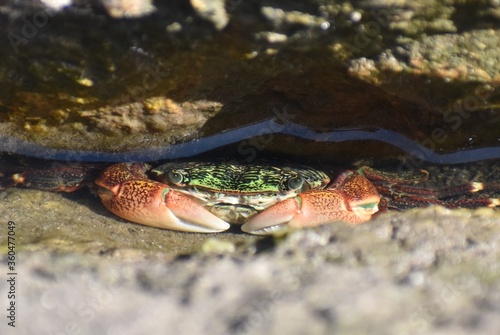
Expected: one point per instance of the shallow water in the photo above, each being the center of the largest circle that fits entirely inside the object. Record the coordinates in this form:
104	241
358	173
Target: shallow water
405	145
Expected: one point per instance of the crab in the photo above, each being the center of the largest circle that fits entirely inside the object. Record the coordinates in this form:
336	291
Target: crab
206	197
209	196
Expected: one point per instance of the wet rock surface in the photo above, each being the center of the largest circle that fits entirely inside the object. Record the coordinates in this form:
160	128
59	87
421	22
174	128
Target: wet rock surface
122	75
77	222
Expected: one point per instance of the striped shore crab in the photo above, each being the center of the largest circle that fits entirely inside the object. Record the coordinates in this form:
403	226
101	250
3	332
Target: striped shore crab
206	196
209	196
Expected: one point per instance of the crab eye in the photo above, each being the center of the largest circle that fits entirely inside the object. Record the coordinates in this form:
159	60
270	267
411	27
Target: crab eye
295	183
369	206
175	177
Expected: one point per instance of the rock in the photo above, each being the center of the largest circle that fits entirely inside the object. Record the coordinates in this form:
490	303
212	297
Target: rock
407	273
122	75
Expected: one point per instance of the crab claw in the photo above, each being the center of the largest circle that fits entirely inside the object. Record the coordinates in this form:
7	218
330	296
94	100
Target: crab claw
354	200
147	202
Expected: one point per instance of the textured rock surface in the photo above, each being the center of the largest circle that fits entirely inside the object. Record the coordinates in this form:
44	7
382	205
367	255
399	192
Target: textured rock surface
116	75
428	272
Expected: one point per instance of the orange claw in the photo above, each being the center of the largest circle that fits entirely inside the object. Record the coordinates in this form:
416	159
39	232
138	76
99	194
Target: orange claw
353	200
125	191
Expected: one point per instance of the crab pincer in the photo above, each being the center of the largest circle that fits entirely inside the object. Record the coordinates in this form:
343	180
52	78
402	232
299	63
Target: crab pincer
351	198
126	191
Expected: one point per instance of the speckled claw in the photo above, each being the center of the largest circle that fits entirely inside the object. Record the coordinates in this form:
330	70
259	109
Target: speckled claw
125	191
353	200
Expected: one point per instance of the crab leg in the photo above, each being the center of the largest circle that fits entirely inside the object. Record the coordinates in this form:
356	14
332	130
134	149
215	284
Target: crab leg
354	200
126	192
61	178
399	192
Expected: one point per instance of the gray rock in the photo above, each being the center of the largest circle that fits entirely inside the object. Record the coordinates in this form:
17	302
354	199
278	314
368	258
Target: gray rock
431	271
